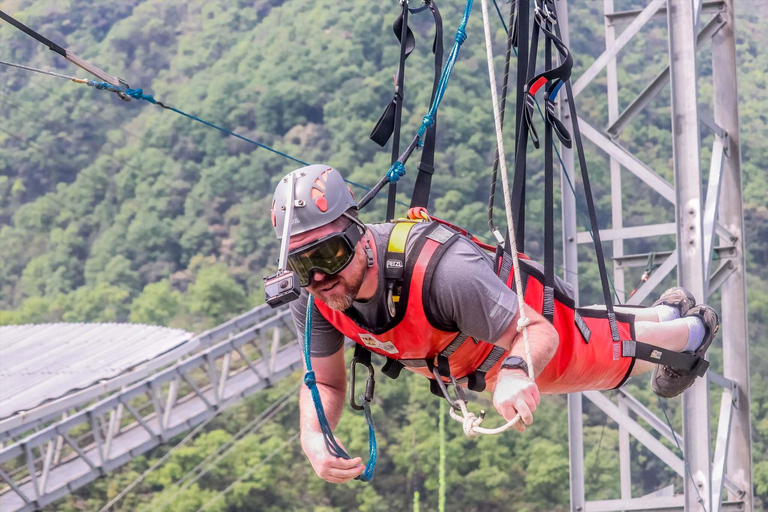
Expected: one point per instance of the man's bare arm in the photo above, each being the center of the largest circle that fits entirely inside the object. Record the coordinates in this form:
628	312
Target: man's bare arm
515	392
331	378
542	338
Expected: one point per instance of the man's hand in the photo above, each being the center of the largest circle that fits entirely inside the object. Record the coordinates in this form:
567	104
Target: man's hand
516	394
331	469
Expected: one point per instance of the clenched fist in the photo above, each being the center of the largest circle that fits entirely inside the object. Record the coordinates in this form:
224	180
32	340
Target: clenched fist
331	469
516	394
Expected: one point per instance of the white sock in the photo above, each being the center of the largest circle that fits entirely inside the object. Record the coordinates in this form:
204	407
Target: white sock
666	313
696	333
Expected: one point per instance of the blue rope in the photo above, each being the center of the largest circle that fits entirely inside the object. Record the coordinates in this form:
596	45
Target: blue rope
501	17
396	172
461	36
330	441
138	94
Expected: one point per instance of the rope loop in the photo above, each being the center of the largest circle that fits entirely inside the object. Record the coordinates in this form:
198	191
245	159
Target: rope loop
138	94
461	35
396	172
522	323
309	379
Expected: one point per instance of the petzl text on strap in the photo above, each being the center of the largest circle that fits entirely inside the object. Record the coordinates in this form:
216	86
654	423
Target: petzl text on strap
394	259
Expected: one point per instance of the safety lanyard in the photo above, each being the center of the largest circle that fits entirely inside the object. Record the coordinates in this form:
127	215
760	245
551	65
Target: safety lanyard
390	121
117	82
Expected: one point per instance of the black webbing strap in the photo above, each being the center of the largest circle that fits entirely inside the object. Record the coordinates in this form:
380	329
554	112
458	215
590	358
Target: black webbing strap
385	126
654	354
427	164
522	21
476	380
521	143
590	205
362	354
548	307
392	368
389	122
405	32
47	42
504	87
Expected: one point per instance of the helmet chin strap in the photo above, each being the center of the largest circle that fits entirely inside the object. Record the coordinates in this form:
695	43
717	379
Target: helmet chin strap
368	250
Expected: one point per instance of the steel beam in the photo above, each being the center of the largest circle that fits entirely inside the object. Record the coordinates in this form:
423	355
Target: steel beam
660	504
652	230
656	277
712	201
637	431
646	415
733	317
611	52
721	449
686	151
720	276
571	264
18	424
659	82
707	7
641	260
629	161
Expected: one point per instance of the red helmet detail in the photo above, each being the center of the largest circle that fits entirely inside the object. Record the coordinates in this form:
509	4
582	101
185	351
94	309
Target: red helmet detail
318	192
274	217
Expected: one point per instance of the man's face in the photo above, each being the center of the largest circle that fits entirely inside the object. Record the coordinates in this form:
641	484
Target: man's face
339	290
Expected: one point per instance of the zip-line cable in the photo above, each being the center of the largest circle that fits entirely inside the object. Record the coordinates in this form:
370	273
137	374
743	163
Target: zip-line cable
138	94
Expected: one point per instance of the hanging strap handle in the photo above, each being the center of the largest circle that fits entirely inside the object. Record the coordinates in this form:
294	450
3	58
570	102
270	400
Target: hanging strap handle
426	167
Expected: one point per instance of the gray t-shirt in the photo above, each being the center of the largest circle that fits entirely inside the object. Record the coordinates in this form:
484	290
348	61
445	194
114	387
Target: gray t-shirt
465	293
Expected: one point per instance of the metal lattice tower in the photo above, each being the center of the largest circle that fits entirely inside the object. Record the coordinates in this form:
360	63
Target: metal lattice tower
701	218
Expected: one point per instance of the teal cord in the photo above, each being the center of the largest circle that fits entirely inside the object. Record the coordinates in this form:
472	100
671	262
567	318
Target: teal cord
330	441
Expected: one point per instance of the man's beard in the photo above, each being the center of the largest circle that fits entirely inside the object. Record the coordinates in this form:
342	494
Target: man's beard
342	299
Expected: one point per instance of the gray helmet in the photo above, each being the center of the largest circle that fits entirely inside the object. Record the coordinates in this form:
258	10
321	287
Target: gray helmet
320	197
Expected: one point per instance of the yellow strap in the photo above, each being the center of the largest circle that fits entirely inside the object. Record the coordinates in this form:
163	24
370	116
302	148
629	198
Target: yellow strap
399	237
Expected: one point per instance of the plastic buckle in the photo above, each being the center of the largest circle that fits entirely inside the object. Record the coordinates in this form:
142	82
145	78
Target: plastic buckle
369	384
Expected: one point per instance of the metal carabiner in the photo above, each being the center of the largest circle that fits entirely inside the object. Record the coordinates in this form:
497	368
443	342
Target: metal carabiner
457	391
370	383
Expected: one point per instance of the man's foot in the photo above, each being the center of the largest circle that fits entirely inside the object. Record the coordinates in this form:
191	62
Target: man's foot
668	382
678	298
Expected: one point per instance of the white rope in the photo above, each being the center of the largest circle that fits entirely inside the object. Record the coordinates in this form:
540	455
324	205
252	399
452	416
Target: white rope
469	420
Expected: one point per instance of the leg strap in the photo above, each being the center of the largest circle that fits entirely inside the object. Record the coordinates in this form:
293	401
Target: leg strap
654	354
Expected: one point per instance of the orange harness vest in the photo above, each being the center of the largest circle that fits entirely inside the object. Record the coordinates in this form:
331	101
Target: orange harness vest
411	339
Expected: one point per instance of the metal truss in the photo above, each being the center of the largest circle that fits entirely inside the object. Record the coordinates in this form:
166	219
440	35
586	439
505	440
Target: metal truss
54	461
23	424
704	264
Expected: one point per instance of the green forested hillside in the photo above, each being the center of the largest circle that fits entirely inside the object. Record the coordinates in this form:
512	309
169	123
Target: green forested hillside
114	211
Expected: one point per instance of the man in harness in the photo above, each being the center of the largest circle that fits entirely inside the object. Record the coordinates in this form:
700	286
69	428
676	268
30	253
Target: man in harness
431	300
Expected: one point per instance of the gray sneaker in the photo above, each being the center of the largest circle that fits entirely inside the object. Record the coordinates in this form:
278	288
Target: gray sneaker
668	382
678	298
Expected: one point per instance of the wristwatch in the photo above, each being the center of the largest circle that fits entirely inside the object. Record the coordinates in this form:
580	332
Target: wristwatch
515	363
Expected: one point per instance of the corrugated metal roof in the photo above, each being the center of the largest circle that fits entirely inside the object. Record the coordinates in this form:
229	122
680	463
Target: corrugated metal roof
43	362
